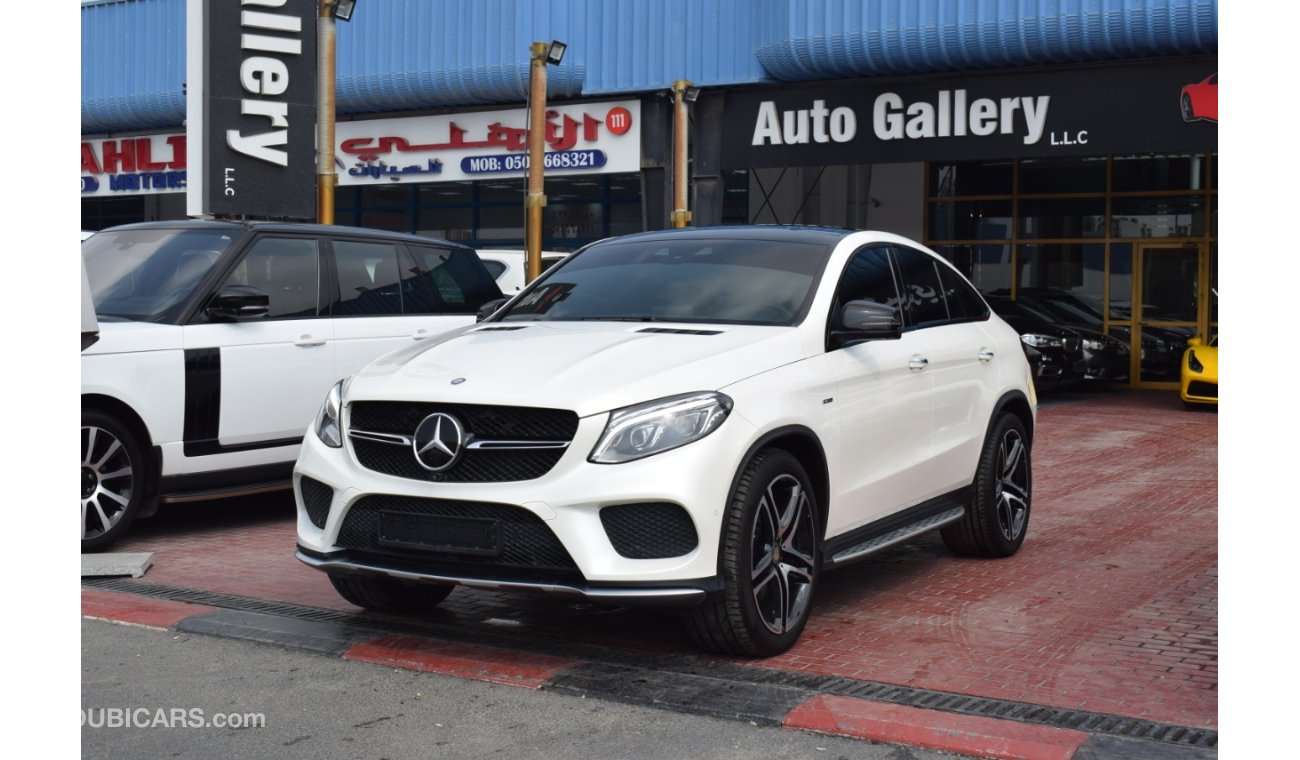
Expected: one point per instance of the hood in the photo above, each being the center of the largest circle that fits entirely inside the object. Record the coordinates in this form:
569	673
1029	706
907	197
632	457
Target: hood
588	367
128	337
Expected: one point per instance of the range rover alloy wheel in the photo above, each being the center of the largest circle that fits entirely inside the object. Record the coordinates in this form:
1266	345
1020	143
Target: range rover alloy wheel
998	517
770	561
113	471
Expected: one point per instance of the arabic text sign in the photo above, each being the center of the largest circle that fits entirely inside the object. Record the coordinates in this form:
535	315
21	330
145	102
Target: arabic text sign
579	140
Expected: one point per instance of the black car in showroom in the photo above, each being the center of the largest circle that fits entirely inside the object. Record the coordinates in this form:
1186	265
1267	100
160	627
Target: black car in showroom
1162	347
1055	353
1104	358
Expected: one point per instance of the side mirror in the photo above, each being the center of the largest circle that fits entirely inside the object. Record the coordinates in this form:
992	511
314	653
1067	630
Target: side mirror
490	308
1195	341
236	302
868	320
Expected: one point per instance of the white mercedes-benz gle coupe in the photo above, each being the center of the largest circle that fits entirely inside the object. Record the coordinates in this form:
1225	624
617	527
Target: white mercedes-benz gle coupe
710	417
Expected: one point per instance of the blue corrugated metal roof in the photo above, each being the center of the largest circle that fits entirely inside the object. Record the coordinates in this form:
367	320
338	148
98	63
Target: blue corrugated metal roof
820	39
132	65
412	54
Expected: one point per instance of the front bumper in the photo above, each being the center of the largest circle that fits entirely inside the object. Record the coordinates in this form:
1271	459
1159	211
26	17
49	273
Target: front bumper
567	500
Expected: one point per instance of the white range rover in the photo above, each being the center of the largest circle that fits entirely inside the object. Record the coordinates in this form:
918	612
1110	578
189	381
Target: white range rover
708	417
217	339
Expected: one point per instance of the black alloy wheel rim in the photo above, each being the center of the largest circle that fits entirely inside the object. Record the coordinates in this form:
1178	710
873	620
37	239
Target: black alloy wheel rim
783	563
1011	487
107	481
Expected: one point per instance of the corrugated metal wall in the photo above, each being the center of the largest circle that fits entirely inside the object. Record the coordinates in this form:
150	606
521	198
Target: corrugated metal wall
419	54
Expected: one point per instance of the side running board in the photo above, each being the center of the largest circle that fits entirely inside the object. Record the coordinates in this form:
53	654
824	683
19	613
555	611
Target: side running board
897	536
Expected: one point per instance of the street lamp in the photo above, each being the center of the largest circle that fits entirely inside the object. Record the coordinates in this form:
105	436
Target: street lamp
542	54
326	179
683	93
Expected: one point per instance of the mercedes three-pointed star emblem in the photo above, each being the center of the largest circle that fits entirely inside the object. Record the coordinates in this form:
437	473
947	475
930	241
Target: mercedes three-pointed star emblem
438	441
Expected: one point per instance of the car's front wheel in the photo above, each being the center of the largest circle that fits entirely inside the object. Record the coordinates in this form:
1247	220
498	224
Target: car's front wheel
383	594
1188	113
113	477
770	561
998	516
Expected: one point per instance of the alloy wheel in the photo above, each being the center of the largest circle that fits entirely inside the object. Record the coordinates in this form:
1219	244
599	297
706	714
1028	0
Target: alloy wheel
107	481
1011	488
783	554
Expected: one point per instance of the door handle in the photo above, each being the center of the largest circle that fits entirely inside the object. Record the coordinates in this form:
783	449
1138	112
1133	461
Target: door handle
918	363
308	341
420	334
985	355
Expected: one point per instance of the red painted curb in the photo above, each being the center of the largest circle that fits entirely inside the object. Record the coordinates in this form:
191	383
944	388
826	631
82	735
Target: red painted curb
137	610
466	660
932	729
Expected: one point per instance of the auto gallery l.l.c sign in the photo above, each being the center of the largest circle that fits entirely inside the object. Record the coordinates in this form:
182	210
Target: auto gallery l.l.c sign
1046	112
251	108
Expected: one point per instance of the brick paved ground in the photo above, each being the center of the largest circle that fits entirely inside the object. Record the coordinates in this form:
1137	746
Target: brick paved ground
1111	606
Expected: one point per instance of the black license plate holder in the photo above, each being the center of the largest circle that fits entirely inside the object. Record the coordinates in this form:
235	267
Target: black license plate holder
456	535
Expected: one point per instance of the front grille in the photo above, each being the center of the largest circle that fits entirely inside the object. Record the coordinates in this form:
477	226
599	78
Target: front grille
524	539
316	498
518	425
1202	389
654	530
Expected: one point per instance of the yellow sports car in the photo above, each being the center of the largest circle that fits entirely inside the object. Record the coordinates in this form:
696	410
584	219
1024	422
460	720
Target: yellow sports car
1200	376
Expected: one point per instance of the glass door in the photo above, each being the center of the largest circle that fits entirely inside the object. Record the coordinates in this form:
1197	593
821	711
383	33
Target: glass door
1169	305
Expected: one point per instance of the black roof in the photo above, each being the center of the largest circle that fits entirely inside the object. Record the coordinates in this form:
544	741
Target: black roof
298	227
792	233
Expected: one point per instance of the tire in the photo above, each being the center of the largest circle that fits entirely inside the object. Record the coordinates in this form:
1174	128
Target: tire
383	594
115	475
997	518
1186	104
769	570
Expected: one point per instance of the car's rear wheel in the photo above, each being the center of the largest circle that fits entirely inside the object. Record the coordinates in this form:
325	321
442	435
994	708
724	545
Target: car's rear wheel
770	560
113	477
384	594
1188	114
997	518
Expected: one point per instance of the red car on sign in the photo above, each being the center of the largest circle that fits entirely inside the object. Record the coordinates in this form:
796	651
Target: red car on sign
1201	100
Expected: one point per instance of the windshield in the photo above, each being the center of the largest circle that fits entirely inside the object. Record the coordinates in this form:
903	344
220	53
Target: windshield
142	274
750	281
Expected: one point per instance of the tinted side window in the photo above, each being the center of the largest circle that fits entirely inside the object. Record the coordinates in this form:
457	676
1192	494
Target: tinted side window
923	292
868	276
287	270
446	280
368	282
963	302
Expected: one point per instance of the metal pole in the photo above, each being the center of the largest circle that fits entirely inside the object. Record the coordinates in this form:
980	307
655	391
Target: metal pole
536	158
681	216
326	179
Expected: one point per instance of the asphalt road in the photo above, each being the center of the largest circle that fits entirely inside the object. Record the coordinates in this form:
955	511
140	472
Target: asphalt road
321	707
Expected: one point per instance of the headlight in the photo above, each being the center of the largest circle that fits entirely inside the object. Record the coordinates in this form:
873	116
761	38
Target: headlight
1038	340
329	420
639	431
1193	363
1094	344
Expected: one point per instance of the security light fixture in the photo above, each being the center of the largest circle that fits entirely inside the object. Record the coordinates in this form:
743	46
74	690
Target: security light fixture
554	53
343	9
691	94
